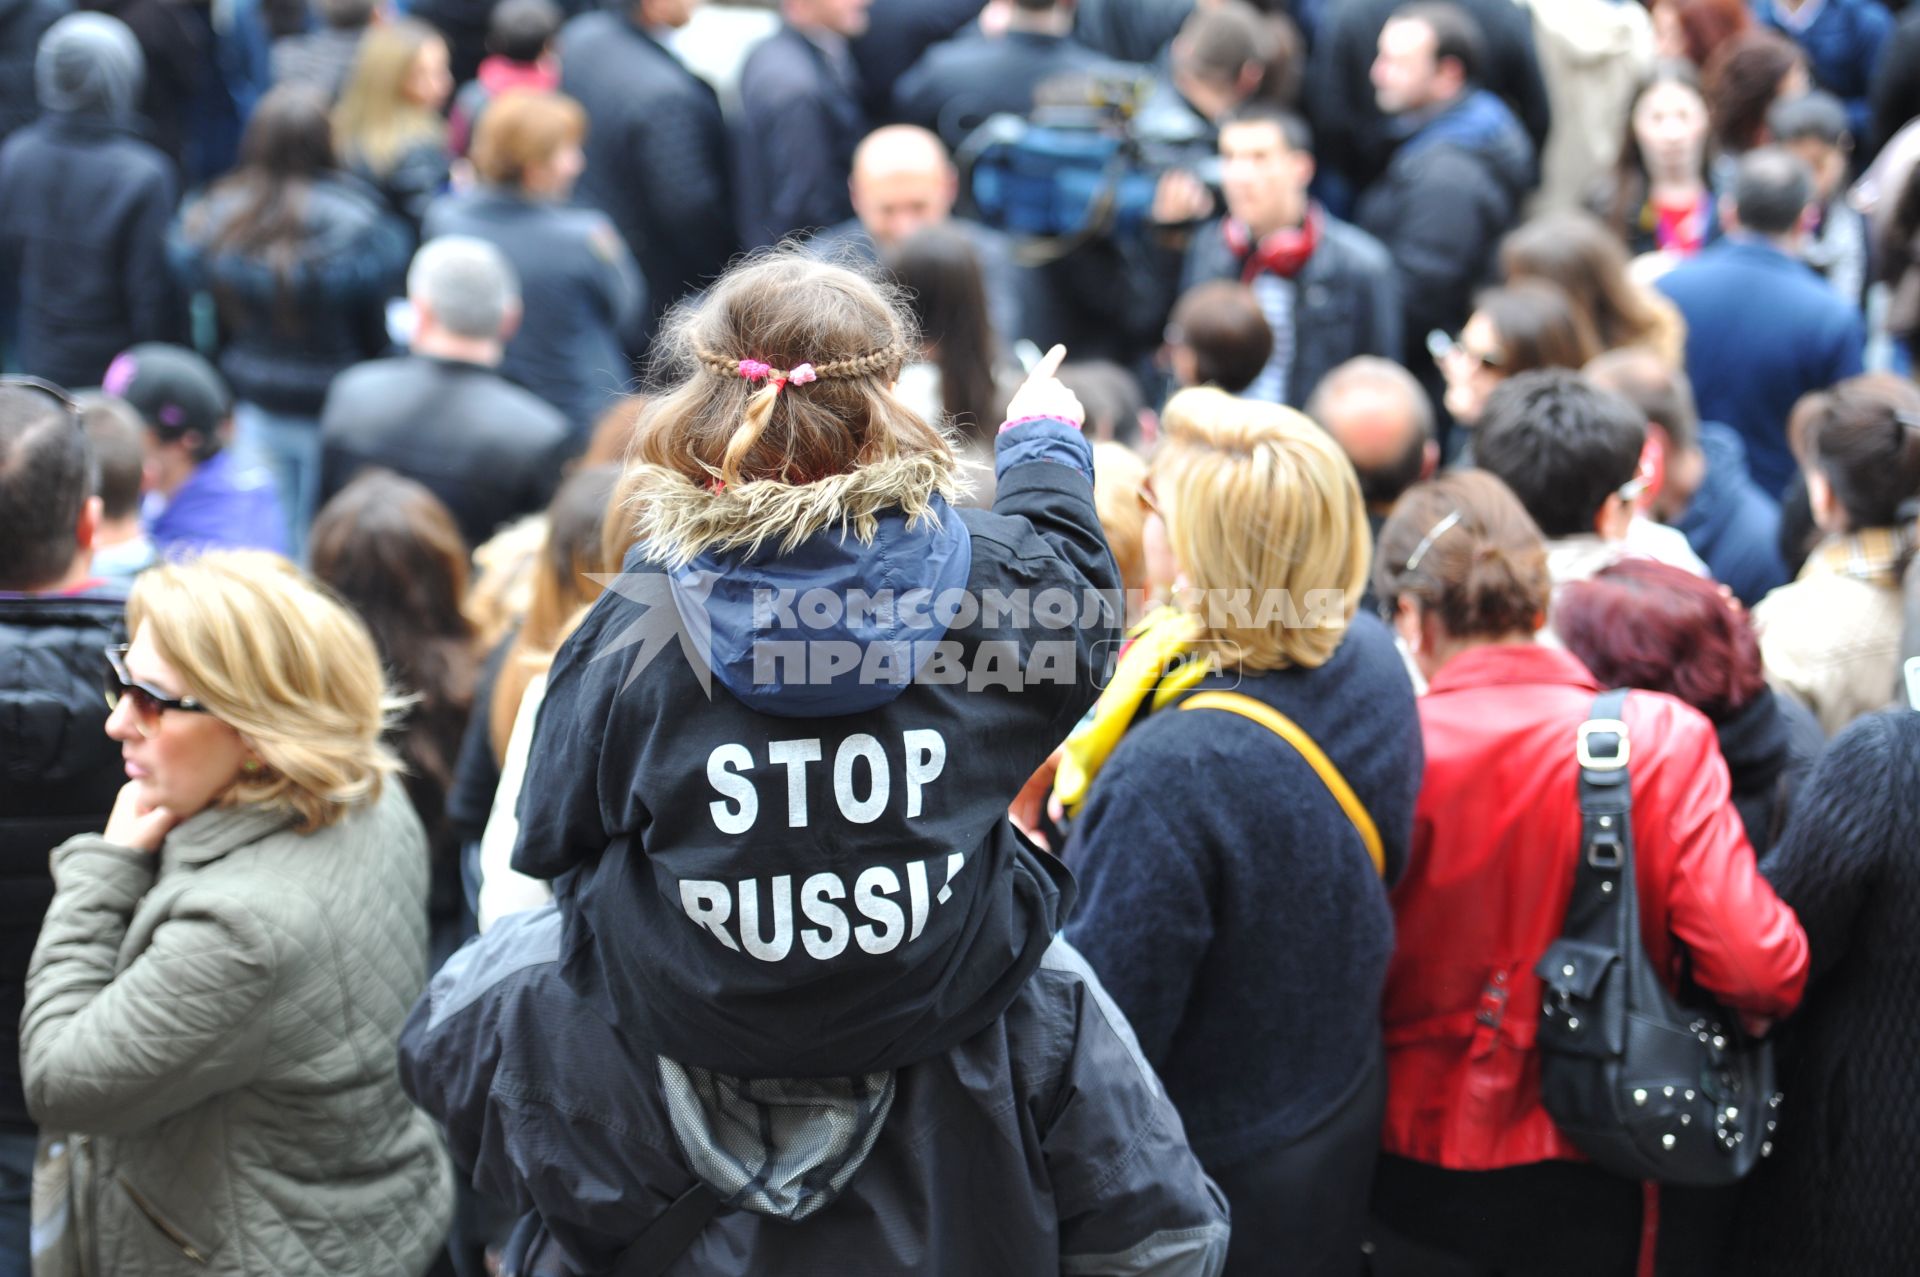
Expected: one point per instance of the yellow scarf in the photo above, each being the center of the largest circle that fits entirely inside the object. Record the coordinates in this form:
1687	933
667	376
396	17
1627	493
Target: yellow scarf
1157	666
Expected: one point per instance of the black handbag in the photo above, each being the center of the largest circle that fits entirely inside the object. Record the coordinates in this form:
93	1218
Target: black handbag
1645	1086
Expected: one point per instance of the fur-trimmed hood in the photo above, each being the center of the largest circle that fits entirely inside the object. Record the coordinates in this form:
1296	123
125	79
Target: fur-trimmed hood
809	600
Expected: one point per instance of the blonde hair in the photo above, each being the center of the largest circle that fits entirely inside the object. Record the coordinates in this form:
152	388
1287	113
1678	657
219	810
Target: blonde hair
284	663
572	552
725	460
374	122
1258	499
1118	478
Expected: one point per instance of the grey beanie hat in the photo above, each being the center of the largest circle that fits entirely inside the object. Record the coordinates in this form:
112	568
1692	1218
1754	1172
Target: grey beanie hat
89	63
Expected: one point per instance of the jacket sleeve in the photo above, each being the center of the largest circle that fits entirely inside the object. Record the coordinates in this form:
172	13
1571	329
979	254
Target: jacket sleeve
1438	242
789	142
1043	473
1385	329
1144	919
107	1053
688	204
1847	348
622	291
1132	1198
1829	859
1745	945
916	95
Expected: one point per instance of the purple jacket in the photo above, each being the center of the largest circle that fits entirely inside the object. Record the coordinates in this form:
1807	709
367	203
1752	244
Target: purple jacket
227	504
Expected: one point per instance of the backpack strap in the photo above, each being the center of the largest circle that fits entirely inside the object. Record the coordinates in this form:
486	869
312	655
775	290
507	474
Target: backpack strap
1292	733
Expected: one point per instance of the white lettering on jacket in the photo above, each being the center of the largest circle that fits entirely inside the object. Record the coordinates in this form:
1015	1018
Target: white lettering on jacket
862	778
757	916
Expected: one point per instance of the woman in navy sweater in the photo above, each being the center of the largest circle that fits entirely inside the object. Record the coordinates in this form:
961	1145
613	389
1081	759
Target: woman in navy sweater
1234	910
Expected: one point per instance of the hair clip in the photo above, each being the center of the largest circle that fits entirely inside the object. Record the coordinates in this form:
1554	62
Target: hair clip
1426	542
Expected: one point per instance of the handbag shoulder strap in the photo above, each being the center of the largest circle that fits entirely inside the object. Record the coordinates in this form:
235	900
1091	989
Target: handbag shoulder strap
1604	904
1292	733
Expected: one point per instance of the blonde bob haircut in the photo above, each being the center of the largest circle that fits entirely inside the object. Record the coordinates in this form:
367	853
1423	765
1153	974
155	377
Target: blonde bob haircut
285	664
1265	518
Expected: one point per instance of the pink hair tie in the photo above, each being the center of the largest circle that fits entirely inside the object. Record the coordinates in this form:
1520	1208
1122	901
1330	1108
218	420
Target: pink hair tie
802	374
754	370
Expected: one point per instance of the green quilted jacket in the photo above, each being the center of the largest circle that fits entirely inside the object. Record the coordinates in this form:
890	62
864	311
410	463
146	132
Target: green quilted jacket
215	1027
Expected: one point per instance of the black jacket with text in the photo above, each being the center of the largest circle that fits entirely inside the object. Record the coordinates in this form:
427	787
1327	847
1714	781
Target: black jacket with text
801	866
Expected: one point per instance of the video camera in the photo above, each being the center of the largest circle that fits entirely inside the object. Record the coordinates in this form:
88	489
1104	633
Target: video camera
1086	164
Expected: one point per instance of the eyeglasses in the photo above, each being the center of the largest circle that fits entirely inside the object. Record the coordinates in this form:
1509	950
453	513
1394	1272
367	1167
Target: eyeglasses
1443	346
145	702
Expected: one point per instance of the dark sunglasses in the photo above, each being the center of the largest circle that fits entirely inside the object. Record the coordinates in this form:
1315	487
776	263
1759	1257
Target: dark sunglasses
147	702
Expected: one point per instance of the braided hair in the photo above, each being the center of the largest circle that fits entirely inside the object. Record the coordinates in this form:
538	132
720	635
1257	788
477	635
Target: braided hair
783	372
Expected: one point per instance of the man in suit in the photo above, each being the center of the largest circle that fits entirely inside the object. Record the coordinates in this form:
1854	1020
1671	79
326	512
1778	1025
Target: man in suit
1762	328
657	154
801	119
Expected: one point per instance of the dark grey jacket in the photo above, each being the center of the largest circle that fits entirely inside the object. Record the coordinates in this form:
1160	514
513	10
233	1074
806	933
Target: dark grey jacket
581	296
1347	304
656	155
84	207
1042	1145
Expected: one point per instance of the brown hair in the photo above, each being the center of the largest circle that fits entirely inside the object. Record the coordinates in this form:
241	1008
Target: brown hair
729	456
1707	24
1742	81
940	271
389	548
1478	560
1864	436
614	433
1623	193
524	128
563	587
1576	253
1224	327
1538	326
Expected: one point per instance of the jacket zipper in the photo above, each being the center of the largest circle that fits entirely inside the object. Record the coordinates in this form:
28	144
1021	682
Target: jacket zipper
173	1234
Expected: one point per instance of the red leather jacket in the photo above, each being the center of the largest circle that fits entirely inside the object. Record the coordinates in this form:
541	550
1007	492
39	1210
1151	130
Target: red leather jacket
1496	836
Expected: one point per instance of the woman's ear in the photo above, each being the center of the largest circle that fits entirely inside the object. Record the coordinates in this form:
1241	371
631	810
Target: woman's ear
1820	501
1409	622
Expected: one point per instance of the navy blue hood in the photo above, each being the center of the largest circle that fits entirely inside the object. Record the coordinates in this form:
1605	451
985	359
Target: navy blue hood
837	625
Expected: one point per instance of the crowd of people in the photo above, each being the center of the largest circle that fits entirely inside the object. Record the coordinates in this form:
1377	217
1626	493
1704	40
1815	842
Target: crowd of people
609	665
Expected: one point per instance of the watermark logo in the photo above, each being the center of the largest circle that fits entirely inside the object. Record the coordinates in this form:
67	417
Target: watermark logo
780	637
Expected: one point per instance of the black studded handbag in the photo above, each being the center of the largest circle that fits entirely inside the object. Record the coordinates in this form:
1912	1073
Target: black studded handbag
1647	1087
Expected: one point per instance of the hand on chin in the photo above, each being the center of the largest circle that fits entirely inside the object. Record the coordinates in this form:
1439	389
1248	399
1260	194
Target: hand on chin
137	821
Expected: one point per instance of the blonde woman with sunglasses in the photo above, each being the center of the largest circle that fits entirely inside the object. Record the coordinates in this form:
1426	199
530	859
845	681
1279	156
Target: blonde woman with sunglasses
211	1011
